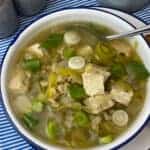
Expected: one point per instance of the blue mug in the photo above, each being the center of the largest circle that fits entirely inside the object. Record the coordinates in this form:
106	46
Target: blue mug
8	18
125	5
29	7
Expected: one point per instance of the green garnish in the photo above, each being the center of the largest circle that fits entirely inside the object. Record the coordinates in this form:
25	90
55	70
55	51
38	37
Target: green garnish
32	65
37	106
53	41
123	85
29	121
81	119
77	91
137	70
68	53
104	53
52	129
106	139
118	70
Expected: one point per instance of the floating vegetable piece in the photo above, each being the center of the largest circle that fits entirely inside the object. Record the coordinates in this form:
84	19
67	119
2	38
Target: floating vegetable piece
76	91
53	41
22	104
66	72
36	50
52	79
81	119
68	53
137	70
71	38
52	82
76	62
122	93
29	121
122	47
93	83
106	139
117	70
85	51
104	53
16	83
32	65
52	129
37	106
120	118
51	92
98	103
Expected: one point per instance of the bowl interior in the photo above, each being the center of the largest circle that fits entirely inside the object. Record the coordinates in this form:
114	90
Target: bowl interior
77	15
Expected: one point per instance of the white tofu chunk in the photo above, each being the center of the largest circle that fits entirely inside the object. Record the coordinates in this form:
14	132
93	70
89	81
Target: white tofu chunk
101	70
121	96
122	47
36	50
98	103
93	83
93	79
16	83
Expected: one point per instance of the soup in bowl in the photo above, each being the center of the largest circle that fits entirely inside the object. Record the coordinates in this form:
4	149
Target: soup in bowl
70	88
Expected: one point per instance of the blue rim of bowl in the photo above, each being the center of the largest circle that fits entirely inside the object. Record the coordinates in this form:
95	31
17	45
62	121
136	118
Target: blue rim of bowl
38	147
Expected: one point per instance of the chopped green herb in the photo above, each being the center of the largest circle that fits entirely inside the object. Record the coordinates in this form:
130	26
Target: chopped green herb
137	70
68	53
104	53
106	139
117	70
81	119
29	121
77	91
37	106
53	41
32	65
52	129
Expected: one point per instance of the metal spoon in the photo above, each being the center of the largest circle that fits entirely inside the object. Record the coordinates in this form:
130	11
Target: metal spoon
135	32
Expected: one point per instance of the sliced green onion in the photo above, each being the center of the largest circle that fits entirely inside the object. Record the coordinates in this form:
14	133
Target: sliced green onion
77	91
29	121
106	139
52	129
118	70
32	64
137	70
53	41
68	53
37	106
104	53
81	119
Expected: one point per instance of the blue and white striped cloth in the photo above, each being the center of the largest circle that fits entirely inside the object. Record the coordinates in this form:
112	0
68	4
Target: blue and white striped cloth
10	139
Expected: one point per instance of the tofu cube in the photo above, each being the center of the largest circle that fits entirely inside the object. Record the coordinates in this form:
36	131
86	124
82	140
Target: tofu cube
93	83
16	82
97	69
98	103
121	96
36	50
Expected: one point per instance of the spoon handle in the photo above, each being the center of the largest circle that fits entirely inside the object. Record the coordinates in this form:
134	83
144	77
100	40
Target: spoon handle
141	30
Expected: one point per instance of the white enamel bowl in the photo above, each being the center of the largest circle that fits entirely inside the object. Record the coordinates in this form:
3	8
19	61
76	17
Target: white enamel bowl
79	15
